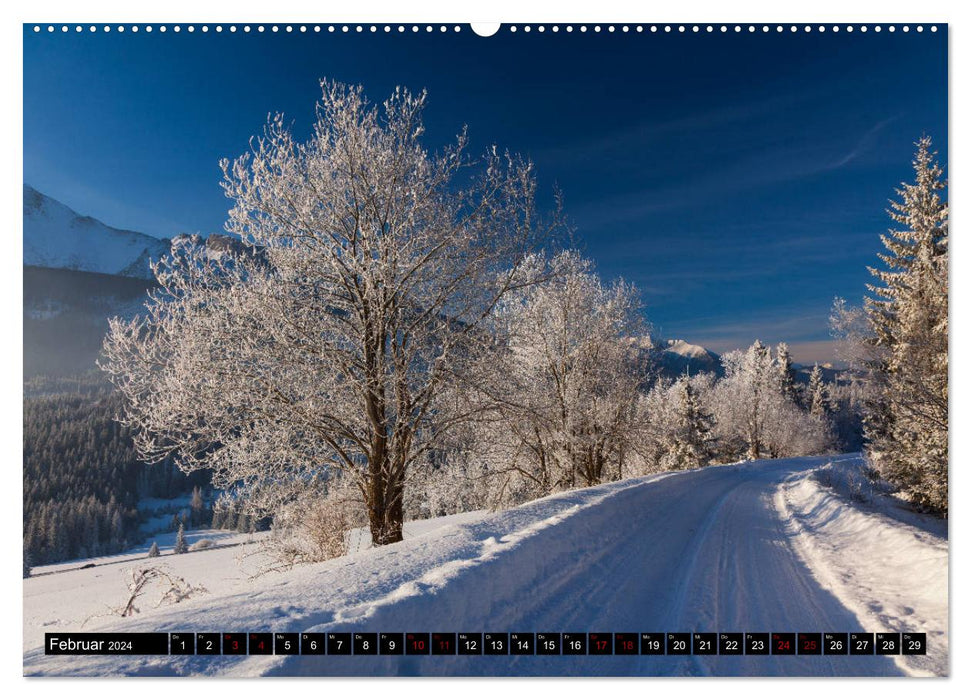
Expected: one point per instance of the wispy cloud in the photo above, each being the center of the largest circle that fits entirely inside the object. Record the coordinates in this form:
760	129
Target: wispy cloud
648	132
728	174
864	143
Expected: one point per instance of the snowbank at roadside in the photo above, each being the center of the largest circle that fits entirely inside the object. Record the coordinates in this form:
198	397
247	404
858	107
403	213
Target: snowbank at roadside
889	566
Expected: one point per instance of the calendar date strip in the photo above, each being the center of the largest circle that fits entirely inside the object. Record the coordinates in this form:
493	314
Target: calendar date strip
488	643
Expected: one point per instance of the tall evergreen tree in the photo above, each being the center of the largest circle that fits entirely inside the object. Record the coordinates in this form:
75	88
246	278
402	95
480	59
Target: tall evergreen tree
817	393
787	375
693	442
908	423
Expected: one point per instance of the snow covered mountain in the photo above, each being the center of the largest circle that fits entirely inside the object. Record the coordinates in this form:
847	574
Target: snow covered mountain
56	236
79	272
686	349
679	356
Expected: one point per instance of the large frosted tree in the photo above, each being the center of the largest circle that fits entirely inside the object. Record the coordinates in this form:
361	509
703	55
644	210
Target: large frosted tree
754	378
325	349
908	319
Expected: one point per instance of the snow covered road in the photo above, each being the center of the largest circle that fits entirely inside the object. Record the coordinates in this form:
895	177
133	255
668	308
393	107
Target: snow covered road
707	550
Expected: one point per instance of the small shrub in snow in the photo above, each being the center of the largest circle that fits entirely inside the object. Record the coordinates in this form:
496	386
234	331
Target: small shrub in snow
153	550
174	589
180	545
200	545
314	527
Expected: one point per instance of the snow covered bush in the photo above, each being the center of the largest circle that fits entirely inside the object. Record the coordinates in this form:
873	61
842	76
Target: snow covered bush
174	589
452	480
200	545
314	527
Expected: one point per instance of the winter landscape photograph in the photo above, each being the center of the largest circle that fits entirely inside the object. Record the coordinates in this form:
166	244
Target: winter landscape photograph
574	350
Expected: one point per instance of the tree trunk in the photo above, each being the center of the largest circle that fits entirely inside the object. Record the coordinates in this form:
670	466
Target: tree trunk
385	496
385	512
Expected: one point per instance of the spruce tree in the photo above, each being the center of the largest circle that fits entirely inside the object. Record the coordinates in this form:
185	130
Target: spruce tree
694	444
180	546
907	425
817	393
787	376
153	550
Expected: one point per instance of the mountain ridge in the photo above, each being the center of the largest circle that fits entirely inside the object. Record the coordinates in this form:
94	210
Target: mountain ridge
56	236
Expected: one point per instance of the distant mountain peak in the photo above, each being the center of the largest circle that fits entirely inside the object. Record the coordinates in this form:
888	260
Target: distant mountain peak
686	349
56	236
678	356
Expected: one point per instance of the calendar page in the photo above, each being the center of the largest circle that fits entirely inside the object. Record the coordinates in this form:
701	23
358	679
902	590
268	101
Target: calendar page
524	349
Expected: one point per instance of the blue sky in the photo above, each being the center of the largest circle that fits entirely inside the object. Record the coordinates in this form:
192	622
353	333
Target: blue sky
740	180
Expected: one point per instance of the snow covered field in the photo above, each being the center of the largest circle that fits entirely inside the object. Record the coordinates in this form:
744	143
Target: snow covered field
755	547
165	540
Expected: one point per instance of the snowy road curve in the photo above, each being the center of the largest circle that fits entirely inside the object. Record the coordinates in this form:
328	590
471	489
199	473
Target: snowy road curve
705	550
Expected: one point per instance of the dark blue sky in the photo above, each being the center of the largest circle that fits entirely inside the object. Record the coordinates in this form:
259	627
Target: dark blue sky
740	180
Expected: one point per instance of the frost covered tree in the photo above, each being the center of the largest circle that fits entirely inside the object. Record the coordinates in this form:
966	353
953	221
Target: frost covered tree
197	507
908	318
565	381
748	388
180	544
327	346
694	441
153	551
675	427
858	398
787	375
754	418
817	393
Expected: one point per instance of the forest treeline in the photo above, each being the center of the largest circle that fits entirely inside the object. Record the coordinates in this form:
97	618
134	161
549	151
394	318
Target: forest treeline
82	479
